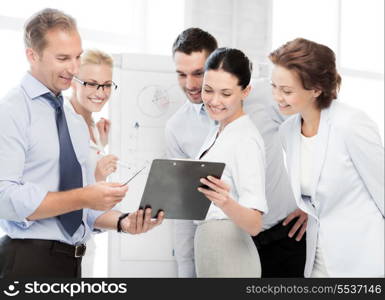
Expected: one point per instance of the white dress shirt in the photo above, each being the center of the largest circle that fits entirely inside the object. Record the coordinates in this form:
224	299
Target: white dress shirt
308	145
307	163
241	148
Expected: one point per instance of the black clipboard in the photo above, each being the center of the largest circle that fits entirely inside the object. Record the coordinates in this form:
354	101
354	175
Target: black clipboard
172	187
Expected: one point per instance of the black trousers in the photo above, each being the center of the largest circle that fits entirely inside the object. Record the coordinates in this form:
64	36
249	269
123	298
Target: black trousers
281	256
37	258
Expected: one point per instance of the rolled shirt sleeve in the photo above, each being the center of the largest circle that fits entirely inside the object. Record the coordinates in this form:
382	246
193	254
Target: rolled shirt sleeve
249	173
92	215
18	199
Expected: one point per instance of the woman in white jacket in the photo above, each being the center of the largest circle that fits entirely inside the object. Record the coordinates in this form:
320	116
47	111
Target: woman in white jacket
335	159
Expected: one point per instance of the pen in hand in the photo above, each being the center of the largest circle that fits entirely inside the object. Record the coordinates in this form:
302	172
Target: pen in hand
102	152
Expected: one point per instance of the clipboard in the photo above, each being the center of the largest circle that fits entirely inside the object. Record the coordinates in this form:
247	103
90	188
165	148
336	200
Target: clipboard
172	187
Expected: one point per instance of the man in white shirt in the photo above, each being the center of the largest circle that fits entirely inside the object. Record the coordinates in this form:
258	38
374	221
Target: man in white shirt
186	131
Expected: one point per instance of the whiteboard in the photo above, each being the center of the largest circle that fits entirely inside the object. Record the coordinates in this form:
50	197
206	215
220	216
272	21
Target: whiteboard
147	96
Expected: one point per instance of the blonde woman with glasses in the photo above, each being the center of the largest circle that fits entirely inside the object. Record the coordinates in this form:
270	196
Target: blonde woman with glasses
91	90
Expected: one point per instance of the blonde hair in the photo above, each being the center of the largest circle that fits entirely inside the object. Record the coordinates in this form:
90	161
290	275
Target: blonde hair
96	57
41	22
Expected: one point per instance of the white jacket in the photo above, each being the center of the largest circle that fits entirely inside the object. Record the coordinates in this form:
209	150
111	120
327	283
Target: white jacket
347	194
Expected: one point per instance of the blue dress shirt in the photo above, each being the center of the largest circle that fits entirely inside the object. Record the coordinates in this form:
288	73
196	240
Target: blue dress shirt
29	163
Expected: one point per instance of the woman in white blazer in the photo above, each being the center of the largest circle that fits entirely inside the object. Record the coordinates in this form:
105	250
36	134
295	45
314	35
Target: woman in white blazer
335	160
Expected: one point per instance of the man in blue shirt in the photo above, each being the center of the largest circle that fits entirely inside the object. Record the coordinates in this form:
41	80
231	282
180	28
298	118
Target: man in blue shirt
50	203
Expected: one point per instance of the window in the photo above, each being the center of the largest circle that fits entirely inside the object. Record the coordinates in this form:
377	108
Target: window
354	29
310	19
362	57
362	35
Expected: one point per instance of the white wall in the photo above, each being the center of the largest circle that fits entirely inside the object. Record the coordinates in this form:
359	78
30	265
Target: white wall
243	24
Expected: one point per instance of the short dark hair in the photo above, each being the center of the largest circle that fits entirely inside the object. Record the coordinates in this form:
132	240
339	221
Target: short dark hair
232	61
194	40
315	65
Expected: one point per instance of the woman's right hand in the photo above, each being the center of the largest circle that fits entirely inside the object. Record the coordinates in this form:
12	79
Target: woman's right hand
105	166
103	126
219	192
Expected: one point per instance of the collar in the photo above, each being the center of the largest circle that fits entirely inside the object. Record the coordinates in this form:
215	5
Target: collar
33	87
236	123
198	108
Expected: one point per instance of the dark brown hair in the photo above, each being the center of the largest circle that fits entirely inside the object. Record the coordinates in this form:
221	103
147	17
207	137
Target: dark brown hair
315	65
43	21
194	40
232	61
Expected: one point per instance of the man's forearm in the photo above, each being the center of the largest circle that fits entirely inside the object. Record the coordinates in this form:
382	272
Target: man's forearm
58	203
108	220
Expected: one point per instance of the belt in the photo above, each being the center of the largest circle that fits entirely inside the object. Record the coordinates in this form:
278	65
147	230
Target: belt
73	251
76	251
273	234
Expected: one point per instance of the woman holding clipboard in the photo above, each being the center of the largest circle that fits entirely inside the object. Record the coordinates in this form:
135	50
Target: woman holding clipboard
223	246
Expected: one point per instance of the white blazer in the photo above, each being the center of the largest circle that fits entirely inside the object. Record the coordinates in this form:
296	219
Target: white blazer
347	209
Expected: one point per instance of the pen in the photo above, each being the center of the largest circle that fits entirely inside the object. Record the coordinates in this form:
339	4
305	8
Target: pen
133	176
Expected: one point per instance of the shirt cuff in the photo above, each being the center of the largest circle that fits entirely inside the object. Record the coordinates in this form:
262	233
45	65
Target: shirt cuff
92	215
251	203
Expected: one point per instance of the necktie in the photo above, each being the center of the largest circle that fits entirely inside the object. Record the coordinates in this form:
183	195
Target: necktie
70	169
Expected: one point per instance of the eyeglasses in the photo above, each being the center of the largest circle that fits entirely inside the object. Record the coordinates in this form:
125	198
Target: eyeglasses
107	87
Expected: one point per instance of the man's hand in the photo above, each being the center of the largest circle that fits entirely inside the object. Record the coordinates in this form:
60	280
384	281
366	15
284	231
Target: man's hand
103	195
140	221
300	224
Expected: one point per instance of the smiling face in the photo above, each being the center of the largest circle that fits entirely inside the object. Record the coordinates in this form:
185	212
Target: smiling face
190	69
89	98
222	96
59	61
289	92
